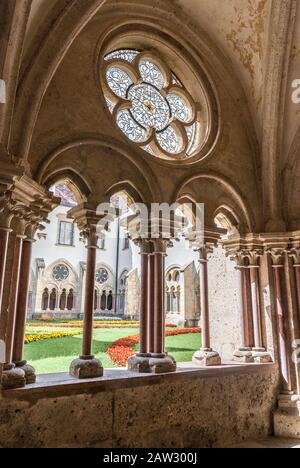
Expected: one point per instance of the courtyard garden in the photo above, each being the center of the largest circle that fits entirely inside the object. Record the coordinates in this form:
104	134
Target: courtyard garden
50	346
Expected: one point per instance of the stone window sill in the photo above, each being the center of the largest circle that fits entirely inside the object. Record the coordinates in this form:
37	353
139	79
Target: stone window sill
62	384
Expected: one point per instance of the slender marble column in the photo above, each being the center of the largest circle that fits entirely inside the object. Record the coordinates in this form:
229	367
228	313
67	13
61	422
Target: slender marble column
89	296
13	377
150	301
144	319
87	366
256	306
159	299
22	300
248	309
259	352
243	353
4	235
206	356
297	277
12	308
154	360
242	306
278	266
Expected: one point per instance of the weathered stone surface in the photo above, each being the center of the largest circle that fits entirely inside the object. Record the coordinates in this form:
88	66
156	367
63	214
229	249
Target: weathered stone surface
207	358
86	368
30	375
172	411
13	378
243	355
195	413
151	365
287	417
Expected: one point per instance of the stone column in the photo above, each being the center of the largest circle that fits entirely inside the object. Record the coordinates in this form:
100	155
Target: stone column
150	300
152	338
13	377
140	361
283	341
244	352
86	366
206	356
4	235
258	351
294	253
21	312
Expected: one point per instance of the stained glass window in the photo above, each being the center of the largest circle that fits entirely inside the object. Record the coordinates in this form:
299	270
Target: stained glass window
146	107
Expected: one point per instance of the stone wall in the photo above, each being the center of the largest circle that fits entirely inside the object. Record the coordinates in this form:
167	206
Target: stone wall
187	409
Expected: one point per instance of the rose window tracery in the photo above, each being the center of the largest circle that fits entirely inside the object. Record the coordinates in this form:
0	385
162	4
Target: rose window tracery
150	105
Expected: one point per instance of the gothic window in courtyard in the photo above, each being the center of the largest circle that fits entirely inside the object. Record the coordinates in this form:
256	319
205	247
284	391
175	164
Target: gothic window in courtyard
102	243
110	301
122	292
173	292
65	233
95	299
63	300
103	301
70	300
126	243
45	299
53	298
149	104
60	272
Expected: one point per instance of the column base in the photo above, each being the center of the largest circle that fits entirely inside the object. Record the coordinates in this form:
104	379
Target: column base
261	356
12	377
151	363
207	357
30	374
243	355
86	367
287	417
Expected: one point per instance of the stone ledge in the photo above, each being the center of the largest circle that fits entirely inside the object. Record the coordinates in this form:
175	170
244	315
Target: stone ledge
62	384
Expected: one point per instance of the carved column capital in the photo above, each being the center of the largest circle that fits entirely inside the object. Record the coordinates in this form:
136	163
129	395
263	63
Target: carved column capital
294	253
253	256
277	256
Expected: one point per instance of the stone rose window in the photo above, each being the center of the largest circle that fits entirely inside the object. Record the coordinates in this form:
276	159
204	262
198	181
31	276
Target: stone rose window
149	104
60	272
101	275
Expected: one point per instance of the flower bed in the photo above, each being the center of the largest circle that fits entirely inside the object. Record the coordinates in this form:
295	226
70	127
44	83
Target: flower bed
121	350
79	324
49	336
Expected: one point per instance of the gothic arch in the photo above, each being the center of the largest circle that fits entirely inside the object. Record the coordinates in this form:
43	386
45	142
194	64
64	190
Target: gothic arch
234	198
53	165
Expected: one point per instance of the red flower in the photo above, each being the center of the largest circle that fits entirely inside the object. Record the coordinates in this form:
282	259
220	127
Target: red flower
122	349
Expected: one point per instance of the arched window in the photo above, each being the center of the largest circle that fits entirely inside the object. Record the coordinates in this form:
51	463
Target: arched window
70	301
178	300
95	299
122	292
110	301
63	300
173	301
103	301
176	276
53	296
45	299
168	301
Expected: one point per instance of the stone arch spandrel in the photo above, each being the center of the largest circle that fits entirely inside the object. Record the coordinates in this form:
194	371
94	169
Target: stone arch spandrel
104	166
214	191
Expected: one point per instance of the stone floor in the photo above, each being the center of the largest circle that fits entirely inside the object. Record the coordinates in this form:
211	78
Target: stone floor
270	442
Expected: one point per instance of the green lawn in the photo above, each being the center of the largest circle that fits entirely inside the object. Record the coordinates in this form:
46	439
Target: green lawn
56	355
